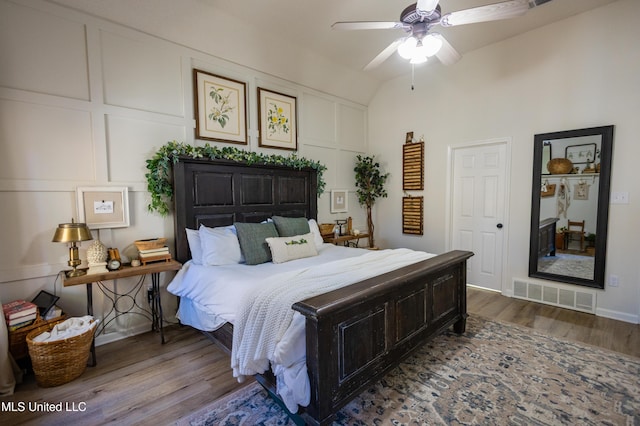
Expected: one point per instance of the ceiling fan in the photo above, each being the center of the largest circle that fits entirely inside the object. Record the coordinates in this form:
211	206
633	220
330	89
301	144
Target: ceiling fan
419	18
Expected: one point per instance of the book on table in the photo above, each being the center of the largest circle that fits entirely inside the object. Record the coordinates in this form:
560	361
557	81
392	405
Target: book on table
18	309
153	253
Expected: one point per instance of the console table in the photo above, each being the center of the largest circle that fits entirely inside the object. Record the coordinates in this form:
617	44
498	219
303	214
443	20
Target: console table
347	240
153	269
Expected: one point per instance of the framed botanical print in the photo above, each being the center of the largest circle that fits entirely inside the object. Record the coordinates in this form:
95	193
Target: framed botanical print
277	120
221	108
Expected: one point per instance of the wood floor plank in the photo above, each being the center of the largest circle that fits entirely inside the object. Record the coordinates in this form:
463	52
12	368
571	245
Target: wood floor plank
139	381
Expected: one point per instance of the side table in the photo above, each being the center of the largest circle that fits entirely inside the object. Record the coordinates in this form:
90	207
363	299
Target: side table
347	240
153	269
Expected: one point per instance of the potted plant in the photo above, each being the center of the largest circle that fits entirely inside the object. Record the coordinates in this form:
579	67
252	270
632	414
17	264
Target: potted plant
370	182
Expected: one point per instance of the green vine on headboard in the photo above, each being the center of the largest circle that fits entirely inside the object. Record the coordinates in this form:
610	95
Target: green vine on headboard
159	167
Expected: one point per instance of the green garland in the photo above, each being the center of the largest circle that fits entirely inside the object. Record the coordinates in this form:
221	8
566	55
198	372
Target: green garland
159	175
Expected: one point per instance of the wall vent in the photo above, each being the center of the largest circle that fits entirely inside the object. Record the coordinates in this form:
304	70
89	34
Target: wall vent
583	300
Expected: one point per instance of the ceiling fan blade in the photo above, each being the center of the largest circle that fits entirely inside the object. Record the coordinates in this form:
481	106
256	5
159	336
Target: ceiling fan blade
447	54
369	25
490	12
384	55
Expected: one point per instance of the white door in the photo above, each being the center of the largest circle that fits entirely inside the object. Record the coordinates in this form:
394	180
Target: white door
478	210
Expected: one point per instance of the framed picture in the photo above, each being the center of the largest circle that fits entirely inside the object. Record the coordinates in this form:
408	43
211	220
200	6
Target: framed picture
409	137
581	154
277	120
221	108
103	207
339	201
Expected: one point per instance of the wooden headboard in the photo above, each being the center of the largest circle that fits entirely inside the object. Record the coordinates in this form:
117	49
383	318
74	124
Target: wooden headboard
221	192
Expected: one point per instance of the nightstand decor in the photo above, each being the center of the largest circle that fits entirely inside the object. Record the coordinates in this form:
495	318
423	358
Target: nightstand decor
72	233
97	258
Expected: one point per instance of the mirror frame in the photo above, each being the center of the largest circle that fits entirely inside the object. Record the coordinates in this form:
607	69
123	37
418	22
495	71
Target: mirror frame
606	154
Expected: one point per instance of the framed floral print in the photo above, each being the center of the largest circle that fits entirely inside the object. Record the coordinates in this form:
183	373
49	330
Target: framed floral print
221	108
277	120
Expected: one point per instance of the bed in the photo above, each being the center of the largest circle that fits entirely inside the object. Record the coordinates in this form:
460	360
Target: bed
354	334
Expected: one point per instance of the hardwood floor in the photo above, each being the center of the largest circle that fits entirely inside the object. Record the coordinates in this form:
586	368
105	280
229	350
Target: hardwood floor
139	381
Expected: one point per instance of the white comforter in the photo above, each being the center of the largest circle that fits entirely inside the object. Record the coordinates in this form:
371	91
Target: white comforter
266	329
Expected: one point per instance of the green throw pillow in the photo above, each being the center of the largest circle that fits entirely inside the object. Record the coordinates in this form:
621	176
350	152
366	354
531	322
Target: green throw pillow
291	226
252	241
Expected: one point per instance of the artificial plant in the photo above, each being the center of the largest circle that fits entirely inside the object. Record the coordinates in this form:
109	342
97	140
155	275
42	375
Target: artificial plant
370	182
159	180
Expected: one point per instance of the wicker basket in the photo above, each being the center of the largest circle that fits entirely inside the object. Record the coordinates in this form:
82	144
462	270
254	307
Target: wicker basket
559	166
59	362
150	244
18	338
326	228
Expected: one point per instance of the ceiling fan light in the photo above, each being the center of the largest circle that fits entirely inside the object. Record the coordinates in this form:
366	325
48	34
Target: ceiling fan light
431	44
407	47
418	59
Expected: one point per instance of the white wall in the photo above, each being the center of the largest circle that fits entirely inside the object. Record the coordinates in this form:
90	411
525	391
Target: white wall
577	73
84	102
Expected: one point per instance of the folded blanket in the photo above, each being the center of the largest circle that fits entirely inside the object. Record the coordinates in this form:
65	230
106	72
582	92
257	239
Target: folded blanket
66	329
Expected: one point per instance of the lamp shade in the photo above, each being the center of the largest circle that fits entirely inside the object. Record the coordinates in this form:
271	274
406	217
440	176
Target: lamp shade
71	232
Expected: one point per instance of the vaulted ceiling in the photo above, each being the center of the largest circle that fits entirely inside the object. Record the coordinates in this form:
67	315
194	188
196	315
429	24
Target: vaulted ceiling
308	23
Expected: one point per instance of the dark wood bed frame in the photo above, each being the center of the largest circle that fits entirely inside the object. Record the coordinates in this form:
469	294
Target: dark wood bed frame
355	334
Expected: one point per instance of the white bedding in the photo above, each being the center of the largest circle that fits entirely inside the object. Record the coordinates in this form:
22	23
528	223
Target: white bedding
227	284
230	296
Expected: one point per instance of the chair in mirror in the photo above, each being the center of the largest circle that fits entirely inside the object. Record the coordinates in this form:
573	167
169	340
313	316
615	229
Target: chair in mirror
570	205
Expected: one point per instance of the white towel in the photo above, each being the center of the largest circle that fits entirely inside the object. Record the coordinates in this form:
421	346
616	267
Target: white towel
66	329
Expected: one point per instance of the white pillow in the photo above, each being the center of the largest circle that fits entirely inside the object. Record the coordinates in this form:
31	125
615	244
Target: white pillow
315	230
284	249
220	246
195	246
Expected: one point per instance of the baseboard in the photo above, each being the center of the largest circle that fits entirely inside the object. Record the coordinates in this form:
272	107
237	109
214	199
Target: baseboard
103	339
620	316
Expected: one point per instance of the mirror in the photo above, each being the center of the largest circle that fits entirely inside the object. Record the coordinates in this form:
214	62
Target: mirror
570	205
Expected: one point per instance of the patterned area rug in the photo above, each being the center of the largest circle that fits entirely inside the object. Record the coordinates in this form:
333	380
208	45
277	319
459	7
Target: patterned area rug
568	264
494	374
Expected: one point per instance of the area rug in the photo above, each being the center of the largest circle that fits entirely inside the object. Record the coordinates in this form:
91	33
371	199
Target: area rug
495	374
568	264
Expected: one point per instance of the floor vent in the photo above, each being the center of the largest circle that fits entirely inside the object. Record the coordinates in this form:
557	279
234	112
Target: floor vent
557	295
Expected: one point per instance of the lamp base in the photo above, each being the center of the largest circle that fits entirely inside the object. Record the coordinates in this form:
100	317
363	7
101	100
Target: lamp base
75	273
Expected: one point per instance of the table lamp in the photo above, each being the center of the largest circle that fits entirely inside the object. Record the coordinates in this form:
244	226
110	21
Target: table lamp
72	233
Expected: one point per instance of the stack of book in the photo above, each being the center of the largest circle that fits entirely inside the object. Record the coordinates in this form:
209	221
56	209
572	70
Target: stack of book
154	254
19	313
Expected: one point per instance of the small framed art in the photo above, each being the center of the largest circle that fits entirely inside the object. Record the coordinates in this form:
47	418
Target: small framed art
339	201
103	207
221	108
277	120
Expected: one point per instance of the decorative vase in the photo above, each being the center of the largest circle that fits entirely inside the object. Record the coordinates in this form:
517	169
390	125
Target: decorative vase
97	258
559	166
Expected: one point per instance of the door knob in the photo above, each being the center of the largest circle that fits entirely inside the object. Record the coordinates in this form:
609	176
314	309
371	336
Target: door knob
499	226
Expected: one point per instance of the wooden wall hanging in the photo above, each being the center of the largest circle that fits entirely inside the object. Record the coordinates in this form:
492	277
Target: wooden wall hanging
413	166
550	190
412	213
